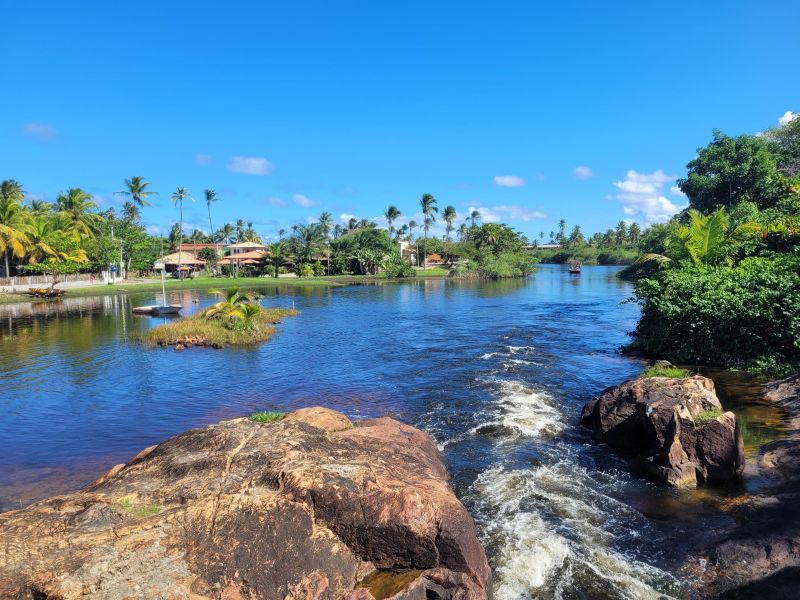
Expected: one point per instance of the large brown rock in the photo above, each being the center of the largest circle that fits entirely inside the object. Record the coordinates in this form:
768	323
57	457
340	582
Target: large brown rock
310	507
662	424
786	394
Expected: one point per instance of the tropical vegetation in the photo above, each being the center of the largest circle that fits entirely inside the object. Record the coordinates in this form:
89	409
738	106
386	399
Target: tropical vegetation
720	283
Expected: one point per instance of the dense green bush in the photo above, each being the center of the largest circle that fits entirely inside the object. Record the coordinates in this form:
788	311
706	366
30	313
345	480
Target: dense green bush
397	267
747	316
502	265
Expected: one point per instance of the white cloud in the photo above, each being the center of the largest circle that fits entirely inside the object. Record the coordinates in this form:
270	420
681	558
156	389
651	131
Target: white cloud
44	132
345	217
787	117
203	159
304	201
508	181
676	191
275	201
642	194
250	165
583	172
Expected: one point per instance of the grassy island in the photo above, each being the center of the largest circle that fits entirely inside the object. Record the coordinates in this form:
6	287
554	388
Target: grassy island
237	320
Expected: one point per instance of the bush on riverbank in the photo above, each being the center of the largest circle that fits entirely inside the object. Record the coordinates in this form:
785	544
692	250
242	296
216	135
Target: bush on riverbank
588	255
747	316
198	330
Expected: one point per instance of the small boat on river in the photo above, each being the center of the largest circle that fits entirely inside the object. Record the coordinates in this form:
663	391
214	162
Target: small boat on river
159	309
575	268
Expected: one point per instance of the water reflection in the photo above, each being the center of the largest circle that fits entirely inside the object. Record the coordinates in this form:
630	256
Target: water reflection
496	371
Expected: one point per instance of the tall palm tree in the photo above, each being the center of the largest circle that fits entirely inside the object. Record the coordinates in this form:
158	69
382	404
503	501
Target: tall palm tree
39	208
225	233
392	213
136	190
412	225
325	228
211	197
77	207
562	231
449	215
41	233
473	218
178	196
13	240
429	210
462	232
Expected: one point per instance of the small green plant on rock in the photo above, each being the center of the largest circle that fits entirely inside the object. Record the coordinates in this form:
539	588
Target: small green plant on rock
706	416
665	372
138	510
266	417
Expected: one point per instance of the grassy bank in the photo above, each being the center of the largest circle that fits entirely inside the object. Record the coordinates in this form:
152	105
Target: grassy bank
199	331
588	255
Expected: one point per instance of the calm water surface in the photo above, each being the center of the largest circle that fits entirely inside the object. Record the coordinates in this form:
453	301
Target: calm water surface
497	372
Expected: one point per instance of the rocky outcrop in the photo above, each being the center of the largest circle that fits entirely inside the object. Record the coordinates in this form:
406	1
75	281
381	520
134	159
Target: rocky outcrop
759	557
672	429
311	507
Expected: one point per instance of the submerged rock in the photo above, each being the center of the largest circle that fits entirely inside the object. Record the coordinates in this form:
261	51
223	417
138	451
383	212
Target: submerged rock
672	429
309	507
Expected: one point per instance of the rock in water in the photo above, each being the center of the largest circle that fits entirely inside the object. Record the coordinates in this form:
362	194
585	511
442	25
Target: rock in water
657	421
305	508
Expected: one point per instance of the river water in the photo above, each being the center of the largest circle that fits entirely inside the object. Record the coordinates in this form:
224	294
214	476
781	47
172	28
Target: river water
497	372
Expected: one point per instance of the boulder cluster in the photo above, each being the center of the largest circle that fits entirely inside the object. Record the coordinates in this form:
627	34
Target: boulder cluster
310	507
672	429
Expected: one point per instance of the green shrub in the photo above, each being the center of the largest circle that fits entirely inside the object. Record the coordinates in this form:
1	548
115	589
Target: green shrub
397	267
665	372
138	510
266	417
747	316
707	416
505	264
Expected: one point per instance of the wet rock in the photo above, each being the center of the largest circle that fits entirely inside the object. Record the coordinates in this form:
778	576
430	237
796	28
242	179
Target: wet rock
179	347
656	422
786	394
306	507
781	459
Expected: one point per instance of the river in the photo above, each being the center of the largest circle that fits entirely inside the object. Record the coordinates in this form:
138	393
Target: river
497	372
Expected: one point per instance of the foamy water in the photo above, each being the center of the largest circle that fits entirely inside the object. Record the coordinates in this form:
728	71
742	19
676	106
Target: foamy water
551	529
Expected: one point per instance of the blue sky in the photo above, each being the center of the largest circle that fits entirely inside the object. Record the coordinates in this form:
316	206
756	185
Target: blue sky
288	109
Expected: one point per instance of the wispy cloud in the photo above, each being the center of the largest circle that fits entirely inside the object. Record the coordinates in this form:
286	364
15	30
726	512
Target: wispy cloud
676	191
275	201
345	217
203	159
505	212
249	165
787	117
44	132
304	201
509	181
642	195
583	172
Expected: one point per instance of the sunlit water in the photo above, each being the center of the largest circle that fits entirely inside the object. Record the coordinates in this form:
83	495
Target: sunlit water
496	372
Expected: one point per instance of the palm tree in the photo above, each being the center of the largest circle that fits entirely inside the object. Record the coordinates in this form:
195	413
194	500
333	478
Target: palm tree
231	307
474	217
130	212
39	208
136	190
429	210
178	196
392	213
463	232
352	224
325	228
12	221
76	206
41	233
621	233
562	230
225	233
706	241
449	215
278	256
412	225
211	197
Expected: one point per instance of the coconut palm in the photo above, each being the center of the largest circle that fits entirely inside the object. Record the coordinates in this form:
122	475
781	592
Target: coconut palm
473	218
392	213
325	229
76	206
412	225
130	212
178	196
231	307
706	241
225	233
211	197
13	240
136	190
39	208
429	209
562	231
463	232
278	256
43	234
449	215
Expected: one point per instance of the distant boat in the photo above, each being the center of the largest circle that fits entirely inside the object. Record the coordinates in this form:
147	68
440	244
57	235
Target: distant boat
575	268
159	309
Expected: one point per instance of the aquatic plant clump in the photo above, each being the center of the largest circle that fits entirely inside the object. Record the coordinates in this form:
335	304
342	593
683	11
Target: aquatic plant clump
266	417
674	372
198	330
